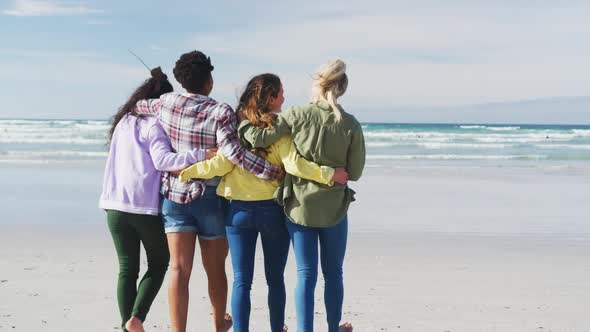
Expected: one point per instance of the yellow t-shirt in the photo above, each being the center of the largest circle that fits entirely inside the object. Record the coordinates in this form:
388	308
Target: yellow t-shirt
241	185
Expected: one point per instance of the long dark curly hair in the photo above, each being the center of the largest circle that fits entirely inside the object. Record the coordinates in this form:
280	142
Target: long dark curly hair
153	87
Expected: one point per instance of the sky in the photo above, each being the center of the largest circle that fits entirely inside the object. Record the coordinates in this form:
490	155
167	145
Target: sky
416	61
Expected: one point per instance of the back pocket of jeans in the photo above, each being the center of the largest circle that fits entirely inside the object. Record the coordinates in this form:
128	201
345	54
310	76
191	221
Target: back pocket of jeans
240	218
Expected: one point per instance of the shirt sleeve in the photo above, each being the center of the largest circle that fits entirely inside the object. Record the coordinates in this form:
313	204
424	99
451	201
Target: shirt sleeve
148	106
207	169
164	158
262	138
298	166
356	155
227	141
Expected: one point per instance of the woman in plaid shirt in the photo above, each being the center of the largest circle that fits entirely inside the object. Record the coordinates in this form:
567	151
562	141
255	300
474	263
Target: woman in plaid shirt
194	120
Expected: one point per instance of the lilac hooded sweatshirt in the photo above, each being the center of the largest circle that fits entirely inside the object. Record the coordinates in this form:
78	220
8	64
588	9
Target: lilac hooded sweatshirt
139	151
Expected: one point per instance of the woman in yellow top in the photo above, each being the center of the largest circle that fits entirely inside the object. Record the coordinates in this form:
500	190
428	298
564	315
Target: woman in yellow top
253	210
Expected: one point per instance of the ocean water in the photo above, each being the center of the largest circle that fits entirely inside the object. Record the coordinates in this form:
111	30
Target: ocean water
451	178
78	140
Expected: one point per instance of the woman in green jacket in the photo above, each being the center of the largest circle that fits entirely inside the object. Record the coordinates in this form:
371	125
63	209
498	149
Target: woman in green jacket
317	214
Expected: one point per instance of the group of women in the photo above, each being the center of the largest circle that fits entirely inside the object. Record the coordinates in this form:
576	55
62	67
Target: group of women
320	147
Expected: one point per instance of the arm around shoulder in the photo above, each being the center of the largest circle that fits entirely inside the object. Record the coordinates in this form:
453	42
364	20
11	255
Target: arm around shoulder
227	141
148	106
263	138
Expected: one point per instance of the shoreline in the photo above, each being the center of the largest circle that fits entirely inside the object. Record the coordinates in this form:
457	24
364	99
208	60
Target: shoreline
478	200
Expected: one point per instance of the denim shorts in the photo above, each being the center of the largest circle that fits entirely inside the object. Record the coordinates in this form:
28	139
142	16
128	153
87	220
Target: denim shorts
204	216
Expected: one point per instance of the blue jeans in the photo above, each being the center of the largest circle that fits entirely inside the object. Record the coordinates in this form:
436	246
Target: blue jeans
332	244
245	221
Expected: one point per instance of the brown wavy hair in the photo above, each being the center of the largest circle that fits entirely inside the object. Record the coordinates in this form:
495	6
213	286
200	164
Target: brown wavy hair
253	104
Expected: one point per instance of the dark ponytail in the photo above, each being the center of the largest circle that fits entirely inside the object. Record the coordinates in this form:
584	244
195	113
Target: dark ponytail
152	88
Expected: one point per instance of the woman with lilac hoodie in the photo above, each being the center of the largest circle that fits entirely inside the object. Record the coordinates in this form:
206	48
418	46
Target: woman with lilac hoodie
139	152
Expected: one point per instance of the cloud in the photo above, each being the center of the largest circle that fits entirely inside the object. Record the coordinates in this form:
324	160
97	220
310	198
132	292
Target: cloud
49	8
72	71
400	54
69	87
450	55
31	53
97	22
157	48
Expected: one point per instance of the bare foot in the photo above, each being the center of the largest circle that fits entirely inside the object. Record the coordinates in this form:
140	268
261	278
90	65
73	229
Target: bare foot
134	324
228	322
285	328
345	327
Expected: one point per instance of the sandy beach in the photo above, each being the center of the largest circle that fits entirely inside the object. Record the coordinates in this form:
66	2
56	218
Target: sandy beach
433	247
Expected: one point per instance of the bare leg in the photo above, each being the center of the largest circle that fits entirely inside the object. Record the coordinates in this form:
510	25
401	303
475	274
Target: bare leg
182	251
213	254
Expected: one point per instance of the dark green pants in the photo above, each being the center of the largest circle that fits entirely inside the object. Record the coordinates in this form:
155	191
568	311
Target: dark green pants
128	231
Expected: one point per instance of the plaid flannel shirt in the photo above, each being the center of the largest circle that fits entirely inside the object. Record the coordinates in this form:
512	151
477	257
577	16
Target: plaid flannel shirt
199	122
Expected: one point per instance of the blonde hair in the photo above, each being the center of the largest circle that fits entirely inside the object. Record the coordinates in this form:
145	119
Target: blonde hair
329	84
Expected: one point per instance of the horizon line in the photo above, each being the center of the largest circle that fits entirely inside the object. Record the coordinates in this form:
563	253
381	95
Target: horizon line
361	122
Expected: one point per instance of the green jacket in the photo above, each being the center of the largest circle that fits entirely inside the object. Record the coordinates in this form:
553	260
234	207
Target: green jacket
318	138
